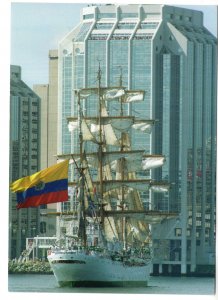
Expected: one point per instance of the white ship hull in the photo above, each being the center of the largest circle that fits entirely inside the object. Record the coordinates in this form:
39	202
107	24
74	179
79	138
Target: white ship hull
81	269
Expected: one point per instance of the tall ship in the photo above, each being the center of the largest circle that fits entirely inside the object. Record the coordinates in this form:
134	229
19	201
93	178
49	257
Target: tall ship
109	185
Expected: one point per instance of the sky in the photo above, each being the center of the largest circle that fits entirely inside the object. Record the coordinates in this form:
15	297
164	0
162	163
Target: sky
38	27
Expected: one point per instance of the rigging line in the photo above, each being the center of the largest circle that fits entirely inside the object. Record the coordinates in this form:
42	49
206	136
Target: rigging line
79	169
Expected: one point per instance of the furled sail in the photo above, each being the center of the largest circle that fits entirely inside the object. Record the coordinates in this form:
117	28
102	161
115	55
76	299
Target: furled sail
122	95
133	96
135	163
122	124
135	160
114	93
160	188
152	162
142	185
85	93
73	125
143	126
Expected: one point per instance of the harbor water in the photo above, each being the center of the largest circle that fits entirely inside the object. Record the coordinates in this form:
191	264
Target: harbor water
157	285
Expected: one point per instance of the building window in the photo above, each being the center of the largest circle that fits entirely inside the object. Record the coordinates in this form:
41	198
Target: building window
178	231
129	15
126	25
89	16
188	19
149	25
106	15
42	227
51	227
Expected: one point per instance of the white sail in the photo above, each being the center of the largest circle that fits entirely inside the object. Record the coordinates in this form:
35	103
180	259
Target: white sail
108	132
140	185
142	216
160	188
123	95
128	155
134	96
143	126
152	162
135	163
110	136
110	228
87	134
118	123
114	93
129	166
122	124
85	93
73	125
91	131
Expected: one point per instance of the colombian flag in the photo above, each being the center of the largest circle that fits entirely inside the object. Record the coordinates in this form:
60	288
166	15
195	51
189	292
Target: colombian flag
47	186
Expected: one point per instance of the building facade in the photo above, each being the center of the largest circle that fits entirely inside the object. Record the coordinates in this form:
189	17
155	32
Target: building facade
24	158
49	111
167	52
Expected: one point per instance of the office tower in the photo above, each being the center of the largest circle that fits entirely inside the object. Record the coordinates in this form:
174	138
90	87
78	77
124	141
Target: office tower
42	90
24	158
167	52
49	95
49	111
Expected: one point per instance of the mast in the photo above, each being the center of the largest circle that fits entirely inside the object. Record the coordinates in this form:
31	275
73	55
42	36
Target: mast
81	170
122	204
100	146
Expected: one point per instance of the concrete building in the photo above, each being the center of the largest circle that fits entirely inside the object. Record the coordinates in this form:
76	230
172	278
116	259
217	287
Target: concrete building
49	111
24	158
49	104
167	52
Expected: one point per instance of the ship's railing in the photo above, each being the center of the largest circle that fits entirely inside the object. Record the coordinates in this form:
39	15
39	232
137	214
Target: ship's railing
41	242
34	244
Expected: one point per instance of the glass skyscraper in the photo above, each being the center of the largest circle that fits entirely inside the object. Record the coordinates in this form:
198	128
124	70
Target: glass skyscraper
24	158
167	52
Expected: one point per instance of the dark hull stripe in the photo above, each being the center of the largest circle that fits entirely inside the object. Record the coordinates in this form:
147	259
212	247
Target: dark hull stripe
104	283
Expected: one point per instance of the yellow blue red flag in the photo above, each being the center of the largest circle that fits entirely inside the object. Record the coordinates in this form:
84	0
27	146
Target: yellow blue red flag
47	186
